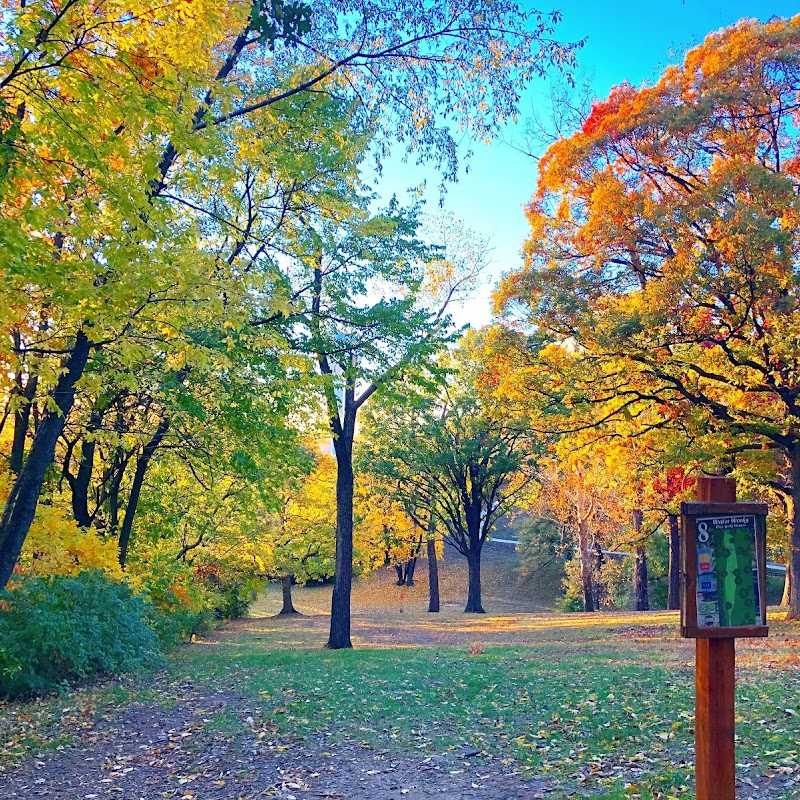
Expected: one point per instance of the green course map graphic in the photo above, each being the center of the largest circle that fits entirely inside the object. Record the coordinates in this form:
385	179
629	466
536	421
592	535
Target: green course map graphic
727	573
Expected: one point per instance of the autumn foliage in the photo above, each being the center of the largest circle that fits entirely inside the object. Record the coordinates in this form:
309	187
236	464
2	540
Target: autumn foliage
663	247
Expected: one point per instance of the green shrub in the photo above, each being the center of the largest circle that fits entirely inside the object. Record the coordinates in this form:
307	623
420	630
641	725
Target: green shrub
188	598
774	589
572	599
231	591
180	605
570	602
658	570
57	629
613	585
174	623
659	592
235	599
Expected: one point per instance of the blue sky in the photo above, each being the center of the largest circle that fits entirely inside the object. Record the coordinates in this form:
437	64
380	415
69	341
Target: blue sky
626	40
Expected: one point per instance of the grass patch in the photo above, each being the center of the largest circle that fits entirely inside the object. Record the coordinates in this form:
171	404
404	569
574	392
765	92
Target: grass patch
595	705
226	723
613	718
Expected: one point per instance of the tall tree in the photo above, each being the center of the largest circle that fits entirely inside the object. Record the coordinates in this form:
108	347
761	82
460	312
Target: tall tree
364	317
664	235
467	463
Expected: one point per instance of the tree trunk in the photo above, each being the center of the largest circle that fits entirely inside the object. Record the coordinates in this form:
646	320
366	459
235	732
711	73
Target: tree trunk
21	505
786	597
80	485
410	569
339	636
22	420
642	595
586	566
640	591
787	589
113	499
286	587
433	569
794	542
136	488
674	594
114	478
405	571
474	605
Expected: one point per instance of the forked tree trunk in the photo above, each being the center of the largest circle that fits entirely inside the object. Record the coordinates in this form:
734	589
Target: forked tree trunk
640	590
674	593
474	605
136	488
406	570
587	580
21	505
339	636
79	485
286	588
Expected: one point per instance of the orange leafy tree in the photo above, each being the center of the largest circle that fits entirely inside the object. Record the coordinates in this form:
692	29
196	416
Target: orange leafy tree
616	471
665	237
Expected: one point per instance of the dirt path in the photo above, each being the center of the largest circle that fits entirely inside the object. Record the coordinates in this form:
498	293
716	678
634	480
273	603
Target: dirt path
150	752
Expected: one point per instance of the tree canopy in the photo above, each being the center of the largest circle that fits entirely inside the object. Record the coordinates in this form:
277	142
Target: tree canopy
663	243
159	168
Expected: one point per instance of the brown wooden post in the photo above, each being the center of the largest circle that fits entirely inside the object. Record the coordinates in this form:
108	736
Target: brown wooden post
711	489
715	673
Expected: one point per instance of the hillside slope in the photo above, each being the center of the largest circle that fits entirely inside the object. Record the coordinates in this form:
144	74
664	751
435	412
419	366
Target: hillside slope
505	590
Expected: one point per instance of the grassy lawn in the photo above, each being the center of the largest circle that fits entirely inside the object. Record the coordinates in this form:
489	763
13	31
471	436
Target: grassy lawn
598	705
602	704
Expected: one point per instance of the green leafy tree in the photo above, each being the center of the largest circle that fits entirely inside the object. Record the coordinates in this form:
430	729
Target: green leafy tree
466	461
363	316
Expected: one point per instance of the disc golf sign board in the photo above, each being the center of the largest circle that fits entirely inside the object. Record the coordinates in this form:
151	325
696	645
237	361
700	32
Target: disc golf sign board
724	564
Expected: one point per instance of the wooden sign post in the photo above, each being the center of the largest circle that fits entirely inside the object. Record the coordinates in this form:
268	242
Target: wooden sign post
723	546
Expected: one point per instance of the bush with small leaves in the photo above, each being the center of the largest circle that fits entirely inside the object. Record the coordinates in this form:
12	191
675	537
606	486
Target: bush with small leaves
180	606
63	628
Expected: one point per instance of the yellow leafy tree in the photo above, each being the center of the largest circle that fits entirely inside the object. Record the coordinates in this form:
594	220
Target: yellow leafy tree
384	533
57	546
